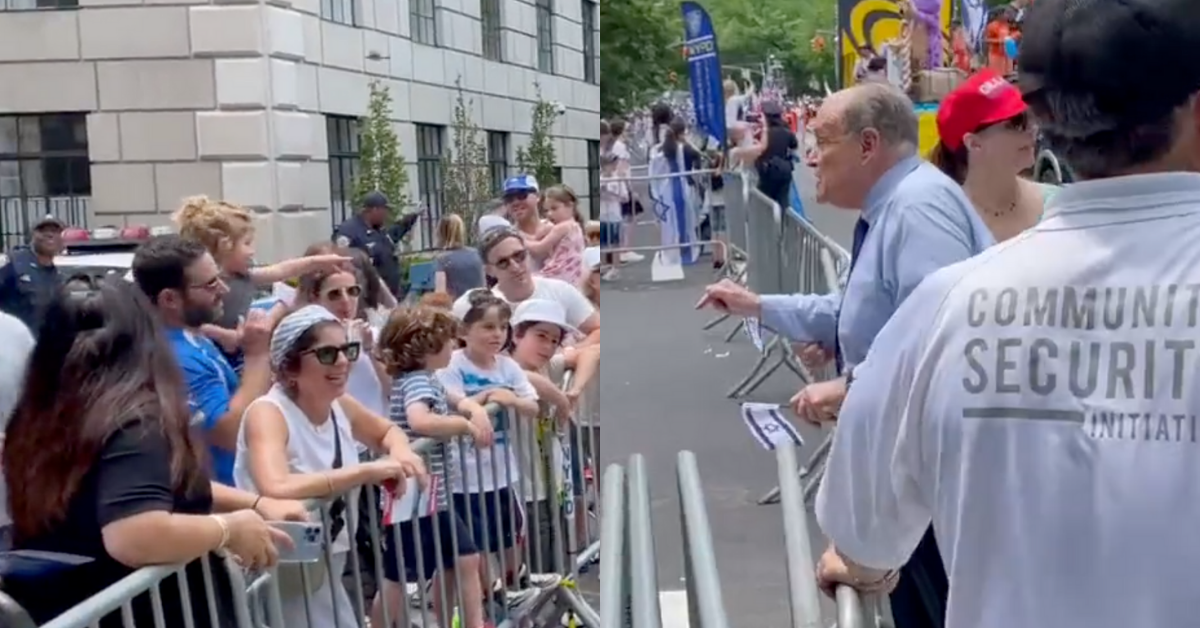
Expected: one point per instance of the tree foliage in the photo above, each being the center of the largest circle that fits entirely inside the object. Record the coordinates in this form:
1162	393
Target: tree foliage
538	157
466	179
381	166
749	34
640	46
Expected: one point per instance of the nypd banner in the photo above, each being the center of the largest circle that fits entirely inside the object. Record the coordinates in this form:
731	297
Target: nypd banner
704	70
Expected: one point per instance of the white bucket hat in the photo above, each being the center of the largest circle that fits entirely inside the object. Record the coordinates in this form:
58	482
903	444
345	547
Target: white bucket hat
542	311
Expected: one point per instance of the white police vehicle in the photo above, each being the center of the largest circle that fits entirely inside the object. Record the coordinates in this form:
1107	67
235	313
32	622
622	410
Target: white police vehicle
91	256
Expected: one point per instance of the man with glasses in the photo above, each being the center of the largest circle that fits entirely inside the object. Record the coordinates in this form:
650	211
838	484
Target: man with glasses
30	278
521	202
184	283
506	258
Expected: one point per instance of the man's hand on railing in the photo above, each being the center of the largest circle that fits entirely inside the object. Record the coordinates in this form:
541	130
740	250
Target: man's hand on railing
273	509
833	570
729	297
819	403
812	354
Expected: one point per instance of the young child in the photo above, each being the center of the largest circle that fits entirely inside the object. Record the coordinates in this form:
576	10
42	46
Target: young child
414	344
227	231
481	372
562	244
539	328
613	193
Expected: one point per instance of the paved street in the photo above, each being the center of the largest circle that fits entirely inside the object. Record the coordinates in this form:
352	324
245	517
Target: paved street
663	385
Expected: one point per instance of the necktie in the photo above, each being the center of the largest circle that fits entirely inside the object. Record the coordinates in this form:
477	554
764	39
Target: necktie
860	236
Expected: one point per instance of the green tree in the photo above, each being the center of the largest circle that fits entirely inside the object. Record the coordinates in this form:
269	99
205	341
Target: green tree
466	179
782	28
381	166
538	157
641	44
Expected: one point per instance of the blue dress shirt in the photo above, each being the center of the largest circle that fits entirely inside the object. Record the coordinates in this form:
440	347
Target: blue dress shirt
920	221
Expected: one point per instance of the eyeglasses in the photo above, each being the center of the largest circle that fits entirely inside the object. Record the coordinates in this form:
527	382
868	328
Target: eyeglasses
349	292
328	355
212	285
517	258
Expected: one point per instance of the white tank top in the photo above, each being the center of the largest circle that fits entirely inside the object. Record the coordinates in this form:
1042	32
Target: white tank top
310	447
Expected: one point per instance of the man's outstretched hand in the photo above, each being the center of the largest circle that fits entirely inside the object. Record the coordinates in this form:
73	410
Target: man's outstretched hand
729	297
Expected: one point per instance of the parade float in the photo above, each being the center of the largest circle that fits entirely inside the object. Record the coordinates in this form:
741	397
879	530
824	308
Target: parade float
914	36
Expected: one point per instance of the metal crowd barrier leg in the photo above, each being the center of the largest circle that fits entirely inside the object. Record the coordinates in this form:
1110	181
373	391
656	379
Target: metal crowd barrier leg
615	589
643	564
706	607
812	471
802	583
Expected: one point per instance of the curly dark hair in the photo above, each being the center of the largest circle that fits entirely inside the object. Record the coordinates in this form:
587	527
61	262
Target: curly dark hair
411	335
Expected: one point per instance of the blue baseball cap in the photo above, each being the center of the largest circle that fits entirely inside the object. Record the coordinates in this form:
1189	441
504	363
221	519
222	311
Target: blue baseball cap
521	183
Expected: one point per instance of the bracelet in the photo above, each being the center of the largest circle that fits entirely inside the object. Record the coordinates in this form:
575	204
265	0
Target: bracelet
254	506
224	531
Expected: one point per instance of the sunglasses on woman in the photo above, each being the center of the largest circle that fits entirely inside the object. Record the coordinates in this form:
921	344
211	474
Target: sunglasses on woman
349	292
328	355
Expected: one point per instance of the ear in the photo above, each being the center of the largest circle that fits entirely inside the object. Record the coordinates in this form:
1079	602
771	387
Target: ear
971	142
870	143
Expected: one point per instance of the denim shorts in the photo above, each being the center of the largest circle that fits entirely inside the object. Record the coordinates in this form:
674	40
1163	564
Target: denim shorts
610	234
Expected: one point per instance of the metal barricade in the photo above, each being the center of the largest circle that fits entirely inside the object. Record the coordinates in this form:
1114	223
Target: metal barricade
629	596
509	556
698	197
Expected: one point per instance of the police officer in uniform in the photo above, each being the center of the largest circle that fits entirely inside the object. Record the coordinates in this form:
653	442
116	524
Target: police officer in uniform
368	231
29	280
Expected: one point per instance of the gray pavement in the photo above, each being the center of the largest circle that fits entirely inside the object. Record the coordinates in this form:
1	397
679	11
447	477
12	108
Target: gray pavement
662	390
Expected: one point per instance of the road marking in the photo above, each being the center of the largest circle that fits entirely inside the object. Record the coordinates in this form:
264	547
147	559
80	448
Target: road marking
674	607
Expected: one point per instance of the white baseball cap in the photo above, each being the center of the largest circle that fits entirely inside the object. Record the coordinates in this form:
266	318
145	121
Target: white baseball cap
487	222
462	304
542	311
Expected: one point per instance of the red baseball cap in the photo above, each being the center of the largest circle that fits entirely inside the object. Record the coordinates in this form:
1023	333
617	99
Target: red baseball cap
984	98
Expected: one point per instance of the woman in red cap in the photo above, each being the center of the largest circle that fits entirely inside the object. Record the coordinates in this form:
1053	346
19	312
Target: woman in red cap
987	140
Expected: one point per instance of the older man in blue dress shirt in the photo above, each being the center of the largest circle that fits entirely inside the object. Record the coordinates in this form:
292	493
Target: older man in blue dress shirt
915	220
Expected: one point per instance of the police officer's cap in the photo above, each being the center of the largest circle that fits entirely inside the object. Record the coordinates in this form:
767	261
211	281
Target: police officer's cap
1127	59
375	199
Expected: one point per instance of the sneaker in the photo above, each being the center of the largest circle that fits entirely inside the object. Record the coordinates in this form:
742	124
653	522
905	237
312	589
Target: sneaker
610	275
630	256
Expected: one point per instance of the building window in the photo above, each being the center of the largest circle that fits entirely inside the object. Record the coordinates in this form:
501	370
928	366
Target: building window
423	21
498	158
342	136
591	35
493	30
44	170
593	155
33	5
340	11
430	149
545	35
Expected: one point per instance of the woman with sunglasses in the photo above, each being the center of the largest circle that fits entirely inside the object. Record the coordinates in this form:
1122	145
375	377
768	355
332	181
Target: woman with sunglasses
987	142
296	441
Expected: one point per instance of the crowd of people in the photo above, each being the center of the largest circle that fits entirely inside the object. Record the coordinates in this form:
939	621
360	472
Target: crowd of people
1012	443
179	416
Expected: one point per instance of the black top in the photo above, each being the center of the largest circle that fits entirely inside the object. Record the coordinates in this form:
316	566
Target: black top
130	476
355	232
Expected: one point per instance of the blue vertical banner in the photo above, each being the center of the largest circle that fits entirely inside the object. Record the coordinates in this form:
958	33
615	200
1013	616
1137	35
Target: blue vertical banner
704	70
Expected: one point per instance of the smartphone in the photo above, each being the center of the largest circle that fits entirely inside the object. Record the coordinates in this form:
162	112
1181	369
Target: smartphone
27	564
308	541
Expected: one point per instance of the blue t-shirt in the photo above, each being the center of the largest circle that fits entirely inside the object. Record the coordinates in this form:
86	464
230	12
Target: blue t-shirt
211	384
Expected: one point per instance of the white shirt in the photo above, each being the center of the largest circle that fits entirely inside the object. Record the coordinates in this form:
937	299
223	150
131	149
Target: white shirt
1038	404
577	307
362	383
497	465
18	343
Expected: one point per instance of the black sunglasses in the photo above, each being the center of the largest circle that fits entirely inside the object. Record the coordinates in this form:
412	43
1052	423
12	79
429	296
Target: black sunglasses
328	355
1019	122
504	263
516	196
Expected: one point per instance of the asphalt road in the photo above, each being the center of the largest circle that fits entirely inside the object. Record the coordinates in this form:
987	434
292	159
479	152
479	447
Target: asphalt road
662	390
